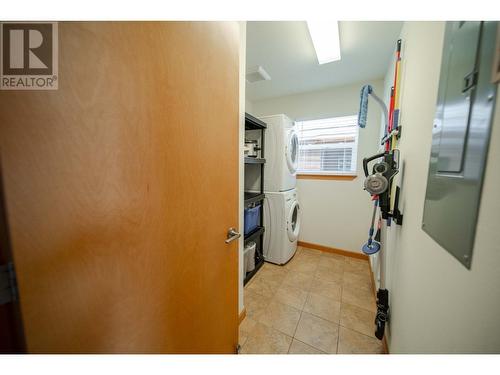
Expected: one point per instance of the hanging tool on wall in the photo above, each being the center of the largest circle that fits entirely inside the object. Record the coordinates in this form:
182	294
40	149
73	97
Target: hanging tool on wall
379	183
393	127
367	90
372	246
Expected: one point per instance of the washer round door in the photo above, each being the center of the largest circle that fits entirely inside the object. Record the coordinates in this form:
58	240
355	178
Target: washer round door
292	152
293	222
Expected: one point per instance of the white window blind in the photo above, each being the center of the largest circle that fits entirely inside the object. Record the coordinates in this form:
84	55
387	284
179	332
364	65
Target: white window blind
328	146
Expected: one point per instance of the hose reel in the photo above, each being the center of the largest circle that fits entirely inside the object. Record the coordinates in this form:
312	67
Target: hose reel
378	183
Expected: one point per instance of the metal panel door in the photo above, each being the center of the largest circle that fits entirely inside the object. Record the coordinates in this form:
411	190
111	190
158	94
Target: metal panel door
460	137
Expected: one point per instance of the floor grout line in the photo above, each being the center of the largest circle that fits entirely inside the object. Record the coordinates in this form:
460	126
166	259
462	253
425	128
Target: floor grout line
361	333
295	331
310	275
312	346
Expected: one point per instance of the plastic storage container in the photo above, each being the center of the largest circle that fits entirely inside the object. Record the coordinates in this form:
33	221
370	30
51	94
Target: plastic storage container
249	256
252	218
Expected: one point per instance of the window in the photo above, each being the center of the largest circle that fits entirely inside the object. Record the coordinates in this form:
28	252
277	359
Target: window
328	146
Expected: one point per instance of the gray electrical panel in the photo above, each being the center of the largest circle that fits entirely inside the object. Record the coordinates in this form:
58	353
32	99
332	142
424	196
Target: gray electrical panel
460	138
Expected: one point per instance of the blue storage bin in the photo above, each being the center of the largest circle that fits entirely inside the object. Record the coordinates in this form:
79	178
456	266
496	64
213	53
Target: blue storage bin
252	218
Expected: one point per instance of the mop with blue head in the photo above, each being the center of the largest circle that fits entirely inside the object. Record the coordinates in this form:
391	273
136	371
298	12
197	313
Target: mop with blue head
371	247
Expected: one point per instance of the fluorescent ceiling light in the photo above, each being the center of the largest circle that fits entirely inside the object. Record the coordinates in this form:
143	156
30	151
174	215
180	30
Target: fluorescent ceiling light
326	41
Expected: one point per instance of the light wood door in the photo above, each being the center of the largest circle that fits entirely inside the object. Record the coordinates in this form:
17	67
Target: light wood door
120	188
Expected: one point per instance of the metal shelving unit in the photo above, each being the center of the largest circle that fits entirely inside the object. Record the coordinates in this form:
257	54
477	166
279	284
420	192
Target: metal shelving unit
255	161
253	197
257	235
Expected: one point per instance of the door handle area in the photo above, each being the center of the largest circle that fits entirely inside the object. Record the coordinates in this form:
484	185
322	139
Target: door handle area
232	234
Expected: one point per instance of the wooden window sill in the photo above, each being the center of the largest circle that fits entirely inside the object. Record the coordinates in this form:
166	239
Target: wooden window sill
340	177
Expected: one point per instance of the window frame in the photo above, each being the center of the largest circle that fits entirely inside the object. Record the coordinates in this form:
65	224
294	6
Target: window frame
326	175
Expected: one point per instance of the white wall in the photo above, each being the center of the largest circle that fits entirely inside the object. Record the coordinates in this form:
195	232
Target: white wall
334	213
437	305
248	106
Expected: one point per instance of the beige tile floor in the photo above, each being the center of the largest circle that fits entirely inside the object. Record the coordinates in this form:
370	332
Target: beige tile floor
317	303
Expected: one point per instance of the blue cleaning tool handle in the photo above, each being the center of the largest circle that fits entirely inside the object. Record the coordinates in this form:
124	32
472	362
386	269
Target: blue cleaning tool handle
363	105
367	90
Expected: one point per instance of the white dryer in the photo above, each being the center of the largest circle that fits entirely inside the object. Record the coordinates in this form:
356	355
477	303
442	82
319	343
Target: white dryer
281	150
282	223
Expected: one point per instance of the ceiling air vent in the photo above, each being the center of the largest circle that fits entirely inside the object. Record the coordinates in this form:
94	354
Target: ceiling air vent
257	74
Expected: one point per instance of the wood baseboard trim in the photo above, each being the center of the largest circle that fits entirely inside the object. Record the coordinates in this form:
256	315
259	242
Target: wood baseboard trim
334	250
374	290
242	315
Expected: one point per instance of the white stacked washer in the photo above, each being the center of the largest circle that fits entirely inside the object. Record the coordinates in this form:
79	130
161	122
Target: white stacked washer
282	223
282	209
281	151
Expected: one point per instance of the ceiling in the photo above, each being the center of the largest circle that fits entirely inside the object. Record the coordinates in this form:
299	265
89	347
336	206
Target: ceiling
285	50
